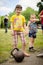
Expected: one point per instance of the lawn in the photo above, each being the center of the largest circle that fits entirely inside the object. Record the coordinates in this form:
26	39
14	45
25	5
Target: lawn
6	43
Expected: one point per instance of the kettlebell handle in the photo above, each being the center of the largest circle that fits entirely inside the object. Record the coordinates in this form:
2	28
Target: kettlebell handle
13	50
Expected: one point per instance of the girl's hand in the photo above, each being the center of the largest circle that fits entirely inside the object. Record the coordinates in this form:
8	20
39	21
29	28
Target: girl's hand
26	31
41	16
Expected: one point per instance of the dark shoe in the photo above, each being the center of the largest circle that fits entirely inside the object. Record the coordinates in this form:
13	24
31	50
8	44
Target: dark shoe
32	50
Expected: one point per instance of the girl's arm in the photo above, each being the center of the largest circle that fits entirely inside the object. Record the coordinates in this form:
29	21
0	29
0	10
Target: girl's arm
28	25
24	25
36	20
12	28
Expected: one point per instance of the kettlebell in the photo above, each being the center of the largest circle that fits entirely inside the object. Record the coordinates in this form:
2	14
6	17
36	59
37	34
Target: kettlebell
17	54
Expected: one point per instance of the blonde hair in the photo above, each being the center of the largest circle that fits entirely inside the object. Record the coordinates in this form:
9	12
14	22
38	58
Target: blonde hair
32	16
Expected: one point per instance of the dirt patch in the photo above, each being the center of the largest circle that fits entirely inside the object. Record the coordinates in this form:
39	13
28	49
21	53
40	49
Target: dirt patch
32	60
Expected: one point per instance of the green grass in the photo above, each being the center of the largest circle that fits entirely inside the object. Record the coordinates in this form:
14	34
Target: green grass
6	43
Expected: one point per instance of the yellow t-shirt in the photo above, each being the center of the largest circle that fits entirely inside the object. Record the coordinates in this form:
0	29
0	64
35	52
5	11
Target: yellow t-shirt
18	22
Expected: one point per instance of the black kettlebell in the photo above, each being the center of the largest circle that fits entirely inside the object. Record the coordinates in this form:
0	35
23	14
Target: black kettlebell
17	54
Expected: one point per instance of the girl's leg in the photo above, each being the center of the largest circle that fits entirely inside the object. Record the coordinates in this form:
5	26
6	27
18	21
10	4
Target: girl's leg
15	39
23	44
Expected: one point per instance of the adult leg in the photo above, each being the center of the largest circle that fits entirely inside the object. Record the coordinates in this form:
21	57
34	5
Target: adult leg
6	28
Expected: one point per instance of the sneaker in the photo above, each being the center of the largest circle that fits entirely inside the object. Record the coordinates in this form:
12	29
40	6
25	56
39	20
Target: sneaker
40	55
32	50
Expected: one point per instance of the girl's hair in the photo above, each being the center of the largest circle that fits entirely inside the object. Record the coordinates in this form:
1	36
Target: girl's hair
18	6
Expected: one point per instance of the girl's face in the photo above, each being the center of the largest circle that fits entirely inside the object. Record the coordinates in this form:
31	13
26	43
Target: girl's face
18	11
32	18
